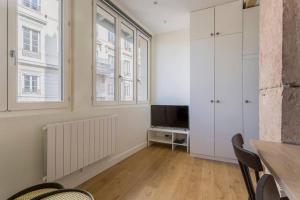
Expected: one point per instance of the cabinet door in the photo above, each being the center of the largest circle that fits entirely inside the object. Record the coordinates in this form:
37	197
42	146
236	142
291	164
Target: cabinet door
251	96
202	24
229	18
251	31
202	93
228	93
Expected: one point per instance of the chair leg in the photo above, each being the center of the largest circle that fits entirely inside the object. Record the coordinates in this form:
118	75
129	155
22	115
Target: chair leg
247	181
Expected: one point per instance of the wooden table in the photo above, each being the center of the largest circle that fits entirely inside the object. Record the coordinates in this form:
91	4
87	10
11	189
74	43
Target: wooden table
283	161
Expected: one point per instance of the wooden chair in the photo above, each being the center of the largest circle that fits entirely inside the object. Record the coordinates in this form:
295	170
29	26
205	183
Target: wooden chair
66	194
37	190
246	160
267	189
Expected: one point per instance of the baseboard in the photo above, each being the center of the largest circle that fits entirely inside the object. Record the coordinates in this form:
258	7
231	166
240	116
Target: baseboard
220	159
76	179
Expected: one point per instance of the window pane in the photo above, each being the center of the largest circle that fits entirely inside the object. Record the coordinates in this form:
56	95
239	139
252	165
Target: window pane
105	56
26	83
127	66
35	41
40	52
26	39
142	69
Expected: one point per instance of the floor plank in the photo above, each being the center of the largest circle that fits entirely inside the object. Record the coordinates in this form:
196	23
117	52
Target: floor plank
157	173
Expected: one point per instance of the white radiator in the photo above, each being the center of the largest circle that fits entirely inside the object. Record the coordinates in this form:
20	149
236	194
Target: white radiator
74	145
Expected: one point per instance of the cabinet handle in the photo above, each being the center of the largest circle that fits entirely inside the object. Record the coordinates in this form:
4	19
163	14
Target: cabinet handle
212	101
247	101
218	33
218	101
212	34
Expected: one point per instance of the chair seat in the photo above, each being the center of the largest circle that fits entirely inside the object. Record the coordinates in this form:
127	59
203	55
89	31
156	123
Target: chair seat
33	194
68	196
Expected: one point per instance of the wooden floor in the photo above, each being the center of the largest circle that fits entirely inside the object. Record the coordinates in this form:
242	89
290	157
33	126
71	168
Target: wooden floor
157	173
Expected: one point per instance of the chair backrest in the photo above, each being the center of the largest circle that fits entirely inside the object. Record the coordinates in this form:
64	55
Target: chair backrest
66	194
246	159
36	190
267	189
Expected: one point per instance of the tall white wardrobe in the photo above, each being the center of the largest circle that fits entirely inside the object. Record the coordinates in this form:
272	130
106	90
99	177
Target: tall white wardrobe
224	79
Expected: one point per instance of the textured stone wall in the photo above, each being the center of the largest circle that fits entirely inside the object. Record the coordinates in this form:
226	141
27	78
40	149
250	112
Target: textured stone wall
291	42
271	32
291	72
280	71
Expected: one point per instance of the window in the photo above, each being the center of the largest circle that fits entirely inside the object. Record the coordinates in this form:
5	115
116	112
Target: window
38	61
142	67
111	37
127	60
120	53
31	85
31	40
105	62
33	4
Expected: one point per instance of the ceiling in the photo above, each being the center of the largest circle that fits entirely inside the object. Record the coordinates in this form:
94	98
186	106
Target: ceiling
166	15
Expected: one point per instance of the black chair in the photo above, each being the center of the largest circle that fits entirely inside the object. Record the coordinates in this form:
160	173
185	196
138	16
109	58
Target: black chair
31	192
247	160
267	189
66	194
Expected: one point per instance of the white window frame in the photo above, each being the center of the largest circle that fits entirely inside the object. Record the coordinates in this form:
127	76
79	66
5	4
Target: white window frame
13	104
139	34
3	55
31	40
124	22
136	33
94	68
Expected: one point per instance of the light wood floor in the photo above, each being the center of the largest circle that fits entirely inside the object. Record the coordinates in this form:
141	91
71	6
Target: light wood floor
157	173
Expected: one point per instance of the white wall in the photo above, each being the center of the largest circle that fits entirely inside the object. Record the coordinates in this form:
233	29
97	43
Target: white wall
171	68
21	142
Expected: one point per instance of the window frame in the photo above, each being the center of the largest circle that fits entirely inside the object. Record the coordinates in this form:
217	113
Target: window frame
121	102
140	34
3	57
94	65
136	32
13	104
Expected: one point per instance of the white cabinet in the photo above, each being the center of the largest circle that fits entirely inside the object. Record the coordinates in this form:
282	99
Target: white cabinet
251	75
228	93
203	24
251	98
251	31
202	93
228	18
216	81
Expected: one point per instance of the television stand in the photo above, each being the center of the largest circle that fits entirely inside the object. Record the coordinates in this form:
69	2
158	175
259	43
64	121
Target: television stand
172	136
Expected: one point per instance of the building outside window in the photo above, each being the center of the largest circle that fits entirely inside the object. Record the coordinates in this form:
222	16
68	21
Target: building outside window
105	62
39	51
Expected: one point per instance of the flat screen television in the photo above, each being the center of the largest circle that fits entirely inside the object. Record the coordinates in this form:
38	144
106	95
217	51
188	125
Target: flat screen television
170	116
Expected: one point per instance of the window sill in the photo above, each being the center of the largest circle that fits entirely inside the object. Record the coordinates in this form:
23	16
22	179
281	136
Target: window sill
115	106
26	113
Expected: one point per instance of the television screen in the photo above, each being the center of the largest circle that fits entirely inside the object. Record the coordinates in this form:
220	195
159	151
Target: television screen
170	116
